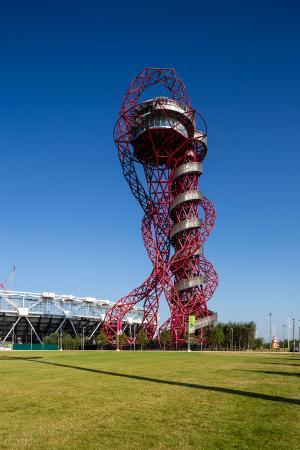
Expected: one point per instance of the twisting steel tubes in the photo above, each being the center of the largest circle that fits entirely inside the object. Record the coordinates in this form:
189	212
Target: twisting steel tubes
161	134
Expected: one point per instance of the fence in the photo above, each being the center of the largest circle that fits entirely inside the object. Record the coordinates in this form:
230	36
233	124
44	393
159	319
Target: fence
35	347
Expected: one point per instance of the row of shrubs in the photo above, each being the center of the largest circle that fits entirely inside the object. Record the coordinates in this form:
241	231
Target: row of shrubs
75	343
223	336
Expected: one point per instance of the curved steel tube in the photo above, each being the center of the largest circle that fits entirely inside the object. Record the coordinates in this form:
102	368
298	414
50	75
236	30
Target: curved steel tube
199	251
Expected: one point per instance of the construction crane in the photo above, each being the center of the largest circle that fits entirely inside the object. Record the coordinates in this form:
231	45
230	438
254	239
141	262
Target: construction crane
10	280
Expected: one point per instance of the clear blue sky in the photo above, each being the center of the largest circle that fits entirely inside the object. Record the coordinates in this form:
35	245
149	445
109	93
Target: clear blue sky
68	220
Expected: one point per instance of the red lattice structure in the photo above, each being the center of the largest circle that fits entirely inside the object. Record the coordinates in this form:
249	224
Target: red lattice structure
161	135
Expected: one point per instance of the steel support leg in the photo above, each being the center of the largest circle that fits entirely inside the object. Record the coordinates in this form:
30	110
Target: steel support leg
95	330
33	330
12	329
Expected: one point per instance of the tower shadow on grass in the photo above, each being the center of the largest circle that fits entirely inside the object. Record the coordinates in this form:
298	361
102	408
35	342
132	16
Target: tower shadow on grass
271	372
288	357
24	358
281	364
222	390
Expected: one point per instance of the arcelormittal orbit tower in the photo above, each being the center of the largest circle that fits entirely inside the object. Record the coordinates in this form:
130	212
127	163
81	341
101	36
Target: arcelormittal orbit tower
168	137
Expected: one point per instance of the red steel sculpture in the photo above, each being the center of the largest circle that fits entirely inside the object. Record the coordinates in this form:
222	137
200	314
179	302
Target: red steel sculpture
161	135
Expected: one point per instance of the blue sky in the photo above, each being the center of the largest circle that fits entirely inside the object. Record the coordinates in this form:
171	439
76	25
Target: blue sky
69	222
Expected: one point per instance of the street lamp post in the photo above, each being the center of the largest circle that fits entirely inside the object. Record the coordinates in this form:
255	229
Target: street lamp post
82	338
118	333
293	336
201	339
231	329
61	340
189	338
283	325
270	315
288	333
130	334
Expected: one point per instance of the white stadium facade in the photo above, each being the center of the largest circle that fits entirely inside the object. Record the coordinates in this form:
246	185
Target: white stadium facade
29	316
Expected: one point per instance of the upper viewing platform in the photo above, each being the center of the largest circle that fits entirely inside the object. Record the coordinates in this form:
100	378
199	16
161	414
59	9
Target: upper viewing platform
160	128
162	112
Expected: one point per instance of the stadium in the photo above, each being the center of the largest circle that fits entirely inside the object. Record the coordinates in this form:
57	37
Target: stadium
28	317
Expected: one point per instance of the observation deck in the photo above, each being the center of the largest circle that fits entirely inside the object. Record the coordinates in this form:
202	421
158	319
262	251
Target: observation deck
160	127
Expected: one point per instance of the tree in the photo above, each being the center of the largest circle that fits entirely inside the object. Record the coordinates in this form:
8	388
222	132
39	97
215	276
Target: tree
123	340
165	338
101	339
51	339
209	331
67	341
251	328
218	336
258	344
76	342
142	338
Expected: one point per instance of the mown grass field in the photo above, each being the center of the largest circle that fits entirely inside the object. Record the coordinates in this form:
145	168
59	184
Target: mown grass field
149	400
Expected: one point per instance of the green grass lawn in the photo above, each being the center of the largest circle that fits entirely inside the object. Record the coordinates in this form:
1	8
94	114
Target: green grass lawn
142	400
